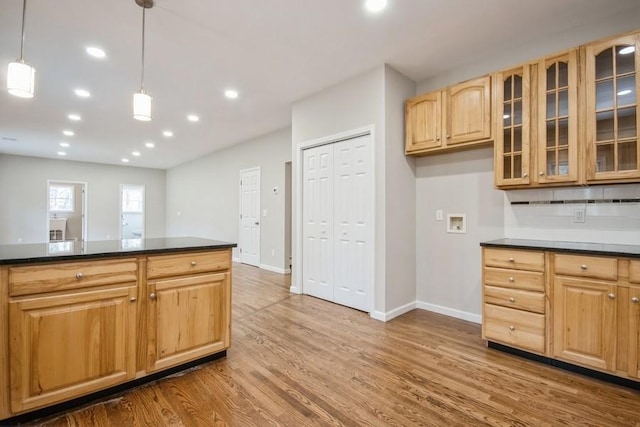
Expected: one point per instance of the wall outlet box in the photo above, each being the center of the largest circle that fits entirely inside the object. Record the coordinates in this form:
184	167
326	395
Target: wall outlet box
579	215
456	223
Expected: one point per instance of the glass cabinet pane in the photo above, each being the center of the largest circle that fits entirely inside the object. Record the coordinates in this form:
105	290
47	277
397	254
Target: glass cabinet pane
604	126
551	77
507	118
563	132
517	113
626	90
628	156
624	59
604	64
517	139
551	133
563	103
507	167
604	158
517	87
563	75
517	166
551	105
604	95
563	162
508	83
551	163
507	141
627	126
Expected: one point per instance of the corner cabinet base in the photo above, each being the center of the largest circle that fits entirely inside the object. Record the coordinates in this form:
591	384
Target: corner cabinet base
614	379
109	392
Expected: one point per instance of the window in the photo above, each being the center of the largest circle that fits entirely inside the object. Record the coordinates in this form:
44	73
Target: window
61	198
132	200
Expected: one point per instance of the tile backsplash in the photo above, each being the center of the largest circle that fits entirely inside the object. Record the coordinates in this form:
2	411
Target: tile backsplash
611	214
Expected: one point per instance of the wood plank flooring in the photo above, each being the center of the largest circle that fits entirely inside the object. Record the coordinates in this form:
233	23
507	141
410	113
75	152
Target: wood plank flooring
299	361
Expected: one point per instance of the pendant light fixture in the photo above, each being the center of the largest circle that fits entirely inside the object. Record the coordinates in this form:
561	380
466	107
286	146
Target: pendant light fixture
20	76
141	99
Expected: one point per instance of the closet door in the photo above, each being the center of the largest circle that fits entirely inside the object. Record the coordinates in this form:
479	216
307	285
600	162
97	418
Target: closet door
317	217
353	189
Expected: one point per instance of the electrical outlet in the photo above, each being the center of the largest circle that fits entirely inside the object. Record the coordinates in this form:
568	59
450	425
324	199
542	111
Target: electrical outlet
579	215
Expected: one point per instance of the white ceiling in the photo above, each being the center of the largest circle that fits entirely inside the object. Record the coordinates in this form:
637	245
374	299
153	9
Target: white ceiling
273	52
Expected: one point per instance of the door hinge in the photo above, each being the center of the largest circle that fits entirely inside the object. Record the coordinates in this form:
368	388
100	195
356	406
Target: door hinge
240	216
240	250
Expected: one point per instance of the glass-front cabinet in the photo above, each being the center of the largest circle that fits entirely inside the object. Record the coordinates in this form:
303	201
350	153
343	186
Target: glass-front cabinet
512	154
611	88
557	119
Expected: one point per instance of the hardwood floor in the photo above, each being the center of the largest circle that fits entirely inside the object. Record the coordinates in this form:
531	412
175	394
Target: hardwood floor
297	361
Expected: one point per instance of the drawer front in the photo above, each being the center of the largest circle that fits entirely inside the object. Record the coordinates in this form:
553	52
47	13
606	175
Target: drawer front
515	279
586	266
514	298
634	271
188	263
516	328
33	279
515	259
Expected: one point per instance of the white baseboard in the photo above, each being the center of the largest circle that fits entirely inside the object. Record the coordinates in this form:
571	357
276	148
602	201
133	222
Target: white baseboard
463	315
295	290
275	269
234	259
385	317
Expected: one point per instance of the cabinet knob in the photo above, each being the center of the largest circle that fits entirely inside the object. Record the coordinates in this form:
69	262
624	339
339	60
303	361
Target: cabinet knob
524	175
635	300
583	267
512	299
193	263
133	299
511	260
438	139
79	275
612	296
448	136
541	173
153	295
512	328
511	279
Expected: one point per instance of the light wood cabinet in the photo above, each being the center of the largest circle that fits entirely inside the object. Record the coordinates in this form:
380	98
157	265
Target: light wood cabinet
64	346
458	117
633	302
612	93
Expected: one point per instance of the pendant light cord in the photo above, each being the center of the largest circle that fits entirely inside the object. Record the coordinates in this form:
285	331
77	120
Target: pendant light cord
142	72
24	12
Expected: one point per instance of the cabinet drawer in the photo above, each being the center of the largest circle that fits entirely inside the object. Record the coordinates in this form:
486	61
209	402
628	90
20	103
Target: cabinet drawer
188	263
634	271
32	279
515	279
515	259
514	298
586	266
516	328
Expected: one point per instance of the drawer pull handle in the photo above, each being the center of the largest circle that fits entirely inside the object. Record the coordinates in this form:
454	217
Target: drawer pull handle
511	279
79	275
583	267
153	296
635	300
132	299
512	299
512	260
512	328
193	263
612	296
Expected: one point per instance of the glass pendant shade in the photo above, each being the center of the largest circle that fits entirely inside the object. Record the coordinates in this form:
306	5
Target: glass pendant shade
21	79
142	106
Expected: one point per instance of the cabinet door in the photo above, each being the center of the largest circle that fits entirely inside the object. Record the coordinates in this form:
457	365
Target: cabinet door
468	111
585	322
69	345
612	91
512	137
423	122
558	119
634	331
189	317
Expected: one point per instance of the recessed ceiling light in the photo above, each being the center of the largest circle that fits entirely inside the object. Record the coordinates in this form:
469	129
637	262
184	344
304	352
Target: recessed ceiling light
82	93
149	144
74	117
135	153
375	5
231	94
125	160
96	52
64	144
67	132
627	50
624	92
61	153
193	118
168	133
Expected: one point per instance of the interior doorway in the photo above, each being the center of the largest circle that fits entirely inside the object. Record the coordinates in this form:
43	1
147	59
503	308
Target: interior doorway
250	216
66	207
131	211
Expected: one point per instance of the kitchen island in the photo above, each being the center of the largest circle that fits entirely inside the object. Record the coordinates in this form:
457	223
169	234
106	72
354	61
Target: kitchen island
78	318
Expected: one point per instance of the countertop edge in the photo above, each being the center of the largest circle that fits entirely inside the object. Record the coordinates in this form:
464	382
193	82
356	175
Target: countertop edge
627	251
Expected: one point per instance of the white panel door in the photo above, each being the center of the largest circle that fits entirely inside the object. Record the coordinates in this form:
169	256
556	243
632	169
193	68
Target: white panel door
250	216
317	217
353	206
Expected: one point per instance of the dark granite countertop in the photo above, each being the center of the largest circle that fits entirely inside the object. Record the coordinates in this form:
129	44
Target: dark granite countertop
632	251
68	251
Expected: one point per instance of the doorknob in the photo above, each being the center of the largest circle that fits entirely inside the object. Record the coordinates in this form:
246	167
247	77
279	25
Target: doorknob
257	223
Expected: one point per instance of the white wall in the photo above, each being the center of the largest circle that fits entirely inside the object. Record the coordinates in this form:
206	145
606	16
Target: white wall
203	195
23	185
372	99
448	272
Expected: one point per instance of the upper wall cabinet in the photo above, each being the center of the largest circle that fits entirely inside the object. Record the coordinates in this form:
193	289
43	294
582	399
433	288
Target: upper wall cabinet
456	118
612	116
